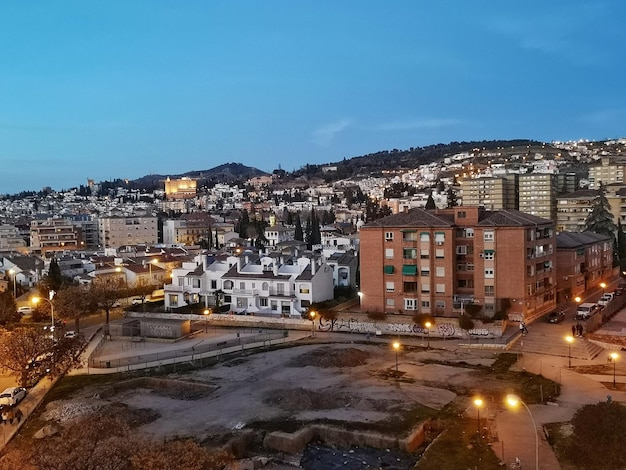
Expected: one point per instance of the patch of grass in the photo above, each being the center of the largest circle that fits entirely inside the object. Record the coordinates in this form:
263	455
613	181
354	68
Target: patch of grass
461	447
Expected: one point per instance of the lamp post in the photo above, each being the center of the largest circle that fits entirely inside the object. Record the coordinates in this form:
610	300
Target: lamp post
614	357
206	320
35	300
396	346
312	314
478	403
14	274
570	340
427	325
603	285
514	401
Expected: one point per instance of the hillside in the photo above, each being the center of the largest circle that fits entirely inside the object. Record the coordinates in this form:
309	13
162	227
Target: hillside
225	173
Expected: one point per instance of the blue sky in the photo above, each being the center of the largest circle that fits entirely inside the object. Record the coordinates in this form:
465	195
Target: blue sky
108	89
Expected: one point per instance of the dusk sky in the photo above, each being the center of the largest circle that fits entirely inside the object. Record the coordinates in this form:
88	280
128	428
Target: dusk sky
121	89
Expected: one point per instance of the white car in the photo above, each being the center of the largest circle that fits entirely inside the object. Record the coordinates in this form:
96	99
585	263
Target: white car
25	310
70	334
12	396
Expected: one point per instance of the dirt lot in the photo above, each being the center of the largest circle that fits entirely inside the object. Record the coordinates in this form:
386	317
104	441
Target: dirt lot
351	384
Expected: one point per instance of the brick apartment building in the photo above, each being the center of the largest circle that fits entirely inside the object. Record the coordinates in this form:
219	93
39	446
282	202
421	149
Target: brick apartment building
437	261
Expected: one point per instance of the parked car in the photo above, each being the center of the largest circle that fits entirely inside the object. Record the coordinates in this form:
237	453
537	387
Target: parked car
557	316
586	310
137	301
619	291
70	334
606	298
12	396
25	310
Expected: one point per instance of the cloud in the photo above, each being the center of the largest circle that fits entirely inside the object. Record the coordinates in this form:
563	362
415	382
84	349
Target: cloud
324	135
427	123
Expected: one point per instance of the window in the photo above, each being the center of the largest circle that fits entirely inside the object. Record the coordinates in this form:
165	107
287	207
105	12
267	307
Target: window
461	267
425	303
263	302
274	306
410	304
440	304
440	288
213	283
409	236
304	289
390	302
465	283
439	253
440	237
424	254
410	287
461	249
489	255
425	271
440	271
265	286
424	237
389	253
390	286
242	302
173	300
228	285
425	288
489	291
488	236
489	273
388	236
242	285
461	215
409	253
470	266
469	232
196	283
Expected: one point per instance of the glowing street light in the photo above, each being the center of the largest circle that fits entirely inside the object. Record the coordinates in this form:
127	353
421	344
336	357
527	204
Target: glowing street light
427	325
36	300
312	314
206	320
603	285
478	403
396	346
13	273
570	340
513	401
614	357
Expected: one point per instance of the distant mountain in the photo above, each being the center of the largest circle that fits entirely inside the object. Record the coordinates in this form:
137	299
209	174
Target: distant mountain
228	172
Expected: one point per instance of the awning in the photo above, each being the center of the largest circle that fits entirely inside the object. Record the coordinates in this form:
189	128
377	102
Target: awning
388	269
409	270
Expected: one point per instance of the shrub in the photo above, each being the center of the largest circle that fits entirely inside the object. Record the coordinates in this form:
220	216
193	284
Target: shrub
466	323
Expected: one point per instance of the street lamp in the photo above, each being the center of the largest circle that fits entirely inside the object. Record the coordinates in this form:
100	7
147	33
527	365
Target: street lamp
603	285
153	261
514	401
312	314
206	320
570	340
14	274
577	299
614	357
35	301
427	325
396	346
478	403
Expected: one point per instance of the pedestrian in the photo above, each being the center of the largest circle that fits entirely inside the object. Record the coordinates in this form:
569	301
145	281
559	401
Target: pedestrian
523	328
3	414
580	330
10	415
574	329
18	415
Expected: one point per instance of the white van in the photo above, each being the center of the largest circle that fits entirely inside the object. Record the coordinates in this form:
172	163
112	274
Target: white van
585	310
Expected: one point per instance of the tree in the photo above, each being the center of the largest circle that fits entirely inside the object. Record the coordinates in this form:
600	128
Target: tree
621	246
244	222
298	234
430	203
75	302
452	199
54	279
8	308
107	293
19	349
600	219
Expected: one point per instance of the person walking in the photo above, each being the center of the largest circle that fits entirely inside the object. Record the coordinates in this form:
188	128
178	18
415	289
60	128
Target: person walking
574	330
522	328
18	415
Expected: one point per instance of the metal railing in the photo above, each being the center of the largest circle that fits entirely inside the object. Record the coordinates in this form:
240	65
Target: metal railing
264	339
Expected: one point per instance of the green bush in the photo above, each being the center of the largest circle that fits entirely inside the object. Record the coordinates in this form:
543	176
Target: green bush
466	323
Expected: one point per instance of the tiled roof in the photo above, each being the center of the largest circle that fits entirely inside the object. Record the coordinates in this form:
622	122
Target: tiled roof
511	218
416	217
578	239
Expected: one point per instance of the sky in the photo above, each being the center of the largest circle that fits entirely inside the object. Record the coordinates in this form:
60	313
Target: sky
121	89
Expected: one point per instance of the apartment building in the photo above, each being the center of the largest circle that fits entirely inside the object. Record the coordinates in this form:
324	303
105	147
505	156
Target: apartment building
584	260
186	232
133	230
10	238
616	196
608	170
573	209
491	193
55	235
437	261
537	195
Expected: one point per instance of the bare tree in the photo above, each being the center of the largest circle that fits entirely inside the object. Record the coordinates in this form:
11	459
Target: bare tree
20	348
75	302
107	293
8	308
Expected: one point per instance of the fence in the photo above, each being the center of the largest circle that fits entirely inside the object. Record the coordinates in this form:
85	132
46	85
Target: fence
201	348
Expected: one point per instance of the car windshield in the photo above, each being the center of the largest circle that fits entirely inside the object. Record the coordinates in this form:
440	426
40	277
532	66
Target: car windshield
4	395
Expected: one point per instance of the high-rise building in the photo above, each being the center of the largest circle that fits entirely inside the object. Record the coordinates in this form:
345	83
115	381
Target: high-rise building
132	230
537	195
609	170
